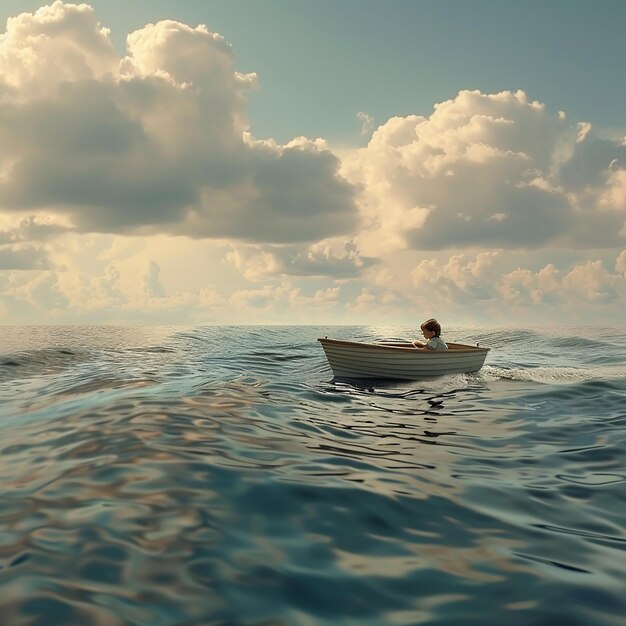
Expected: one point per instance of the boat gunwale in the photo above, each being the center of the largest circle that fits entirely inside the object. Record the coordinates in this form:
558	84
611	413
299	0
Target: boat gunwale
453	348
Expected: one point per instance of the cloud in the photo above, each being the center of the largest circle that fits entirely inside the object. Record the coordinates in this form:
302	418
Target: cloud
620	264
132	189
105	290
460	276
26	296
57	44
283	303
292	193
489	170
592	282
18	257
376	301
460	288
367	122
30	229
151	281
478	278
22	244
336	259
156	142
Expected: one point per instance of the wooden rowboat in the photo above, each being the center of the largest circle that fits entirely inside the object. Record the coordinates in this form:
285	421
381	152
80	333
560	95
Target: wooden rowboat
399	361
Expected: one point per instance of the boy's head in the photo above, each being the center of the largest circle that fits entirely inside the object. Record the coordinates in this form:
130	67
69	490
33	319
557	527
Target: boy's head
433	326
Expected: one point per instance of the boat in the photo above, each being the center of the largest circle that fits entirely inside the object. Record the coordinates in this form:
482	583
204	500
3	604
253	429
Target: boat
399	360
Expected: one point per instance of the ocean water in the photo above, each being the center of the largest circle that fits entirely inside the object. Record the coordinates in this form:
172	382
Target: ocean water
170	476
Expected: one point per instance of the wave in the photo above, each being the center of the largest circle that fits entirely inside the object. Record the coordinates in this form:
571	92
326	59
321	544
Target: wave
38	362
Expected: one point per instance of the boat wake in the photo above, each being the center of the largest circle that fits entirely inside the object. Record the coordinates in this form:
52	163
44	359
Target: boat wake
552	374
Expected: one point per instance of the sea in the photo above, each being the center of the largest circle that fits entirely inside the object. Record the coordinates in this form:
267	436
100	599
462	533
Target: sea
220	476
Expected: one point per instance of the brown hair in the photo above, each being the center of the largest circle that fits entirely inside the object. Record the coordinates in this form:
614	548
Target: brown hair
433	326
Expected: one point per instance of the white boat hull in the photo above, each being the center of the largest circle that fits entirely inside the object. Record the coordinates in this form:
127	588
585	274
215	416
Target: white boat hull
349	359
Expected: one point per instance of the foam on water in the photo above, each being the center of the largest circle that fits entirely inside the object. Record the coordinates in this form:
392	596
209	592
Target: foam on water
554	374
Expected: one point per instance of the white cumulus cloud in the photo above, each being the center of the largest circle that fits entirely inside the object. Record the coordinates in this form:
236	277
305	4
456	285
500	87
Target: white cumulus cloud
155	142
334	258
492	170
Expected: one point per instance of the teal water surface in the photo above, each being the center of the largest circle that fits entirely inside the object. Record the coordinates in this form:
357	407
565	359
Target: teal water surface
170	476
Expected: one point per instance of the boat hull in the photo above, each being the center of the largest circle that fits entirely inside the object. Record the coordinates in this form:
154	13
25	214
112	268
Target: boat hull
399	361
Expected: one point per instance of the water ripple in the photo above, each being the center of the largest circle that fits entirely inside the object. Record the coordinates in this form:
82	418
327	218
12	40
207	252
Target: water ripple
220	476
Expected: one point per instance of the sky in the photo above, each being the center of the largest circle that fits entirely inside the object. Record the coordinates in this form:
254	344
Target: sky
313	162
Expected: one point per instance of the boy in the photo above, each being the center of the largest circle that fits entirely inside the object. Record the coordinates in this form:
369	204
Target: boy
431	329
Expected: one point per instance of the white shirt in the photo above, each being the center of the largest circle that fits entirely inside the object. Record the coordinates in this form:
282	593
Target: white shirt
436	343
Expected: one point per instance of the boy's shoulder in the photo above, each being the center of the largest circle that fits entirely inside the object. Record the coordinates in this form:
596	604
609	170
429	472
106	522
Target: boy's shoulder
437	342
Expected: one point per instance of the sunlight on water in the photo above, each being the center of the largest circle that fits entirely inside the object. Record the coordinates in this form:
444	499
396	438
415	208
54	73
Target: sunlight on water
221	476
